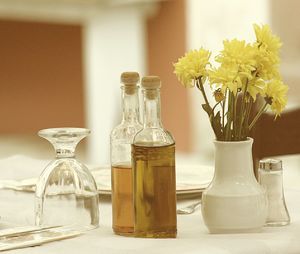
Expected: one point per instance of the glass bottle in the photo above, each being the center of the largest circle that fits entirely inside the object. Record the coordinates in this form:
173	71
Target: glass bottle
270	177
121	171
153	164
66	193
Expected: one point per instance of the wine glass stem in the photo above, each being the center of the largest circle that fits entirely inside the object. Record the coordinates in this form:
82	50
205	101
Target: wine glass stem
64	153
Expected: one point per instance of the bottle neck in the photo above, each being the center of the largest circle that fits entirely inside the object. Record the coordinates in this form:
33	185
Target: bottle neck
130	105
152	117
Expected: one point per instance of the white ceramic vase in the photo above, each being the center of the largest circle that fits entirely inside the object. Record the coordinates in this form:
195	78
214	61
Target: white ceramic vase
234	202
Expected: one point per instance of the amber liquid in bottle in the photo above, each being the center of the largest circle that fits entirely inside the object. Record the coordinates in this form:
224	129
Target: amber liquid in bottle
122	200
154	186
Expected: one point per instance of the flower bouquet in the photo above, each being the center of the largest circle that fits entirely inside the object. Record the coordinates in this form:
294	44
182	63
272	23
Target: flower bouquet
245	71
234	202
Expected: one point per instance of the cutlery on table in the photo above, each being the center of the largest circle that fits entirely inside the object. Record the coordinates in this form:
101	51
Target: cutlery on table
189	209
22	237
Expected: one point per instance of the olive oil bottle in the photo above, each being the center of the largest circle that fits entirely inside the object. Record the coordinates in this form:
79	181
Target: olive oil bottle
153	168
121	139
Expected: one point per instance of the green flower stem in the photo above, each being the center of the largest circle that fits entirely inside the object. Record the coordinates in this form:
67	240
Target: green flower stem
235	126
246	120
242	111
201	88
262	110
213	109
229	118
210	111
223	118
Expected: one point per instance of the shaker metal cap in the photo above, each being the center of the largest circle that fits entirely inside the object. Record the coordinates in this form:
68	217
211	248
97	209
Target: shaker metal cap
130	78
270	164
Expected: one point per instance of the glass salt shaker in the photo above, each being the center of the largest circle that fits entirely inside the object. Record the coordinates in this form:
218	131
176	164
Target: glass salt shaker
270	177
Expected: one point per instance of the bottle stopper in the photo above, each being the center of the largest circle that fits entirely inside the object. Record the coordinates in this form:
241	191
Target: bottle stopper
151	84
130	80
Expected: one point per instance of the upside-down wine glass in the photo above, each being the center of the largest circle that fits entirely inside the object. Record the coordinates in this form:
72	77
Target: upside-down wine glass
66	192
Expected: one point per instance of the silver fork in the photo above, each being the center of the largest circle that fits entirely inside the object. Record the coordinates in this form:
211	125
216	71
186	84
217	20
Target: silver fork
189	209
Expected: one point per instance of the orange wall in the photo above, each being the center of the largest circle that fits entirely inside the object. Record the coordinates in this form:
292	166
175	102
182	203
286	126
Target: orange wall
41	83
166	43
41	79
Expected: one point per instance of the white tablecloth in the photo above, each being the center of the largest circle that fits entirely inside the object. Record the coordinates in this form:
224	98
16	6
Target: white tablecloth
193	236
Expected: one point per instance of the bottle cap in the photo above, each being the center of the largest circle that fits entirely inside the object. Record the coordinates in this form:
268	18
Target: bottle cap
270	164
130	78
151	82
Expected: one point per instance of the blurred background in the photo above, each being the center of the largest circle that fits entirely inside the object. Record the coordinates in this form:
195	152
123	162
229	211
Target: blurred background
60	63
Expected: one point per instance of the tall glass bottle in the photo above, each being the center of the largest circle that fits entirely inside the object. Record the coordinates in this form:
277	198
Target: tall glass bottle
153	165
121	171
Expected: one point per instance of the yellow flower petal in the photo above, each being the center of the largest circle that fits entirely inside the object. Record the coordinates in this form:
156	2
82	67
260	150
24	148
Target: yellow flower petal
277	92
192	66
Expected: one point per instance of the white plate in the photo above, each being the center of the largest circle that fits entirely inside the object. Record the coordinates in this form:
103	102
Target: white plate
189	179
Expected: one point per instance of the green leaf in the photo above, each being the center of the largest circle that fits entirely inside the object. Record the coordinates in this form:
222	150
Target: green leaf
216	122
227	132
207	109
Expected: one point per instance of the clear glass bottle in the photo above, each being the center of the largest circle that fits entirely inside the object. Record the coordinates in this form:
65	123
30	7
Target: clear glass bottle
153	164
121	171
270	177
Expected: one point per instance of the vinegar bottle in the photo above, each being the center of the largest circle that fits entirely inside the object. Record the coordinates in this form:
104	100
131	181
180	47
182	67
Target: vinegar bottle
121	139
153	165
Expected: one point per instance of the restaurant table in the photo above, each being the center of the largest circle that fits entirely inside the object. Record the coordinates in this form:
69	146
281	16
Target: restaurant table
193	236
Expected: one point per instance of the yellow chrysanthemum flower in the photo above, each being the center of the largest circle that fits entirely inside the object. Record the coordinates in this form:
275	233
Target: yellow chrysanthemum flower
255	87
249	70
267	56
276	92
266	39
226	78
267	65
238	54
192	66
238	63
